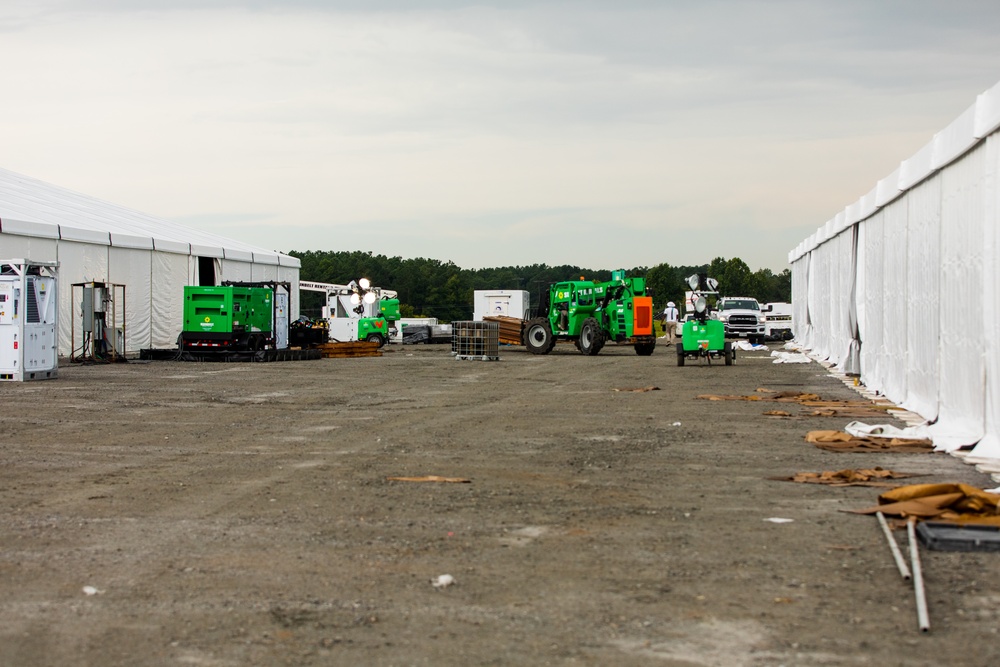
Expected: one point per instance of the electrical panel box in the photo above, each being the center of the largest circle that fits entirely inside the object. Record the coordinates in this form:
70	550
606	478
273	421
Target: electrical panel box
29	347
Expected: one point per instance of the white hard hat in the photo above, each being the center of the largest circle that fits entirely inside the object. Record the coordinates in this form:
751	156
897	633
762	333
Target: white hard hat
670	304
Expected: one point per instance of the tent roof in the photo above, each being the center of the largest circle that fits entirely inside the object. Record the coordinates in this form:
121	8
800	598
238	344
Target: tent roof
35	208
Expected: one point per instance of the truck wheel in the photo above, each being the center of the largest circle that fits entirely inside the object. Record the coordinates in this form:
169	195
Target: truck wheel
680	355
645	349
728	351
591	337
538	336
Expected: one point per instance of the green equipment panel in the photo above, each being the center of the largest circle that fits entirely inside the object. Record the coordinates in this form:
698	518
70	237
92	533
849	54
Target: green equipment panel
227	309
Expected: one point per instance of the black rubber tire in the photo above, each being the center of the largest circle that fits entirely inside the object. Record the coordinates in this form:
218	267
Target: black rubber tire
680	355
728	351
591	337
538	336
376	338
645	349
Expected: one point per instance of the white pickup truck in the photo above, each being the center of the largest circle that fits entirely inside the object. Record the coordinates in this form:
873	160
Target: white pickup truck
742	316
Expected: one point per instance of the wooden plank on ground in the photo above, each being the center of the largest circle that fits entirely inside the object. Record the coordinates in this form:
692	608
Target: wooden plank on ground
350	350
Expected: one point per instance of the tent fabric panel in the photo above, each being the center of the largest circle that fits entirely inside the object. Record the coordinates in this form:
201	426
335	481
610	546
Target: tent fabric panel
262	272
28	247
894	301
918	167
265	258
236	271
133	268
887	189
989	447
955	140
872	349
923	242
988	112
169	275
172	246
130	241
238	255
27	228
78	263
84	235
287	260
207	251
961	419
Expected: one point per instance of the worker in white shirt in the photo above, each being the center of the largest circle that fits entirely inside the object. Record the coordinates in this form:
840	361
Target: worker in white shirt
670	314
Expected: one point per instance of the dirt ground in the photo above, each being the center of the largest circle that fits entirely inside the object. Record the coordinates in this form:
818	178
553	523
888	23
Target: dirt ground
172	513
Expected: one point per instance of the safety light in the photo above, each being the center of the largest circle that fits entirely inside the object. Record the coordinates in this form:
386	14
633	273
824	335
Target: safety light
355	299
693	281
700	304
369	297
364	283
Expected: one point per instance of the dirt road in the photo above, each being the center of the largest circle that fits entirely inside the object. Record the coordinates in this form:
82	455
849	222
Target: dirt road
228	514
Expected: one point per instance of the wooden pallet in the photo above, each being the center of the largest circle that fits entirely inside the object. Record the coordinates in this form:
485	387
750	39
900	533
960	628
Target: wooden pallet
352	350
511	328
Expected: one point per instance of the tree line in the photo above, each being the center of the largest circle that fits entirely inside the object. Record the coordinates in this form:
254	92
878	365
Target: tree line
435	288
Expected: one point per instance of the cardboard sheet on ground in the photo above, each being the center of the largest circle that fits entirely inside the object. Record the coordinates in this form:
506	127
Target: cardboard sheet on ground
877	477
838	441
960	503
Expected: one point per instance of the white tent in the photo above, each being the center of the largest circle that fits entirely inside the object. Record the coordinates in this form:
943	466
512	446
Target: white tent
154	258
903	286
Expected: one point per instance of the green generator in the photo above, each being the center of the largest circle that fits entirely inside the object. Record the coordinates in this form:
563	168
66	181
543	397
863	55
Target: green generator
228	318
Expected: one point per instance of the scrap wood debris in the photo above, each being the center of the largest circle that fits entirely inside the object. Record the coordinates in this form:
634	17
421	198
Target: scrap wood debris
838	441
822	408
638	389
777	413
848	477
960	503
431	478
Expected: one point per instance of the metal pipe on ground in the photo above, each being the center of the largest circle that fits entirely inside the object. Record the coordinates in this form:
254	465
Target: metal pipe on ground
904	571
923	620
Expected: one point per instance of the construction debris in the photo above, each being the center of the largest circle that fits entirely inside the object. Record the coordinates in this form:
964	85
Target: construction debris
849	477
959	503
638	389
350	350
838	441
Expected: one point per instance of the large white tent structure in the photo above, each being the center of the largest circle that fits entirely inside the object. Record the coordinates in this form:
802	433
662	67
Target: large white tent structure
903	285
95	241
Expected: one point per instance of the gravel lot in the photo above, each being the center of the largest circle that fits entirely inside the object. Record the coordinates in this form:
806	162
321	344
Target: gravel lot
173	513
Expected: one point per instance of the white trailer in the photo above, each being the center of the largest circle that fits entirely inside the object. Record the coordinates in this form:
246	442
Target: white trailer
500	303
28	320
778	321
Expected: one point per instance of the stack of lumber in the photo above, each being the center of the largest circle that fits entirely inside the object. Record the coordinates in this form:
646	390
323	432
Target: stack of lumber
511	328
351	350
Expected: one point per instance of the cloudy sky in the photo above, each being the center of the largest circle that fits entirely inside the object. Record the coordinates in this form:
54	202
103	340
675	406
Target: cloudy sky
490	133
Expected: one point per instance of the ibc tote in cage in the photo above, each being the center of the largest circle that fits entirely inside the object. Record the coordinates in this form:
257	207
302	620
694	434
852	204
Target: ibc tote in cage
476	340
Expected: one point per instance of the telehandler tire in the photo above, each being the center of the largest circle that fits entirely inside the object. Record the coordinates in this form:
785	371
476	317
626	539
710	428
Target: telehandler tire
538	336
591	337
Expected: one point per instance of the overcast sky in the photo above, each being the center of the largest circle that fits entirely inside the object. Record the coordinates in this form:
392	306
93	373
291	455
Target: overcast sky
595	133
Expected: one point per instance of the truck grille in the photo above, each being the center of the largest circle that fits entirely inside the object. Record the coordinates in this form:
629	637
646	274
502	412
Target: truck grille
743	321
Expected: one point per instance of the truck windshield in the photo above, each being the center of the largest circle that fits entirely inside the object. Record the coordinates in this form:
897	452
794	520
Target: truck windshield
739	304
